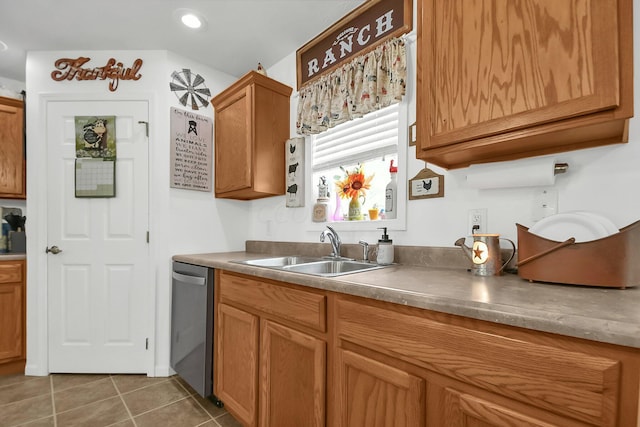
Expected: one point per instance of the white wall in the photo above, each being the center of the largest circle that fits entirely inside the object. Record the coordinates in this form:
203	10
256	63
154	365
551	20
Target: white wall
181	221
601	179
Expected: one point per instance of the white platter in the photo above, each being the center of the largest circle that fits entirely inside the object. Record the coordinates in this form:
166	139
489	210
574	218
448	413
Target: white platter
583	227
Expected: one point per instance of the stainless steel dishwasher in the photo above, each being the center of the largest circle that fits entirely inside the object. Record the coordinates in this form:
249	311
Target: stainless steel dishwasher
192	326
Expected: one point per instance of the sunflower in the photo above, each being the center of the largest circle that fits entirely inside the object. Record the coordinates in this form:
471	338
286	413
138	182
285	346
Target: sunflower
353	184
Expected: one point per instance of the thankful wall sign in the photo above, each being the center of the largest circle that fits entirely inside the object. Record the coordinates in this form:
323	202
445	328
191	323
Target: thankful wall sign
360	31
114	71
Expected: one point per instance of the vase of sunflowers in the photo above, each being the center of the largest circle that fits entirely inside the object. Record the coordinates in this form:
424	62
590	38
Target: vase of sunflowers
354	186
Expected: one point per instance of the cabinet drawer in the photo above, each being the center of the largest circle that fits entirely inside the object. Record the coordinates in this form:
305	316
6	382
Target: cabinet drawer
10	272
303	307
570	383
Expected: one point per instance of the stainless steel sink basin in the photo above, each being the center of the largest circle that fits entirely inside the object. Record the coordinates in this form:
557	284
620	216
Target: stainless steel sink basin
277	262
312	265
331	267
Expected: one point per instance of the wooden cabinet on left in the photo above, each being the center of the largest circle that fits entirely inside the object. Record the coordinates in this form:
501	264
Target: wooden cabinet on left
12	316
12	150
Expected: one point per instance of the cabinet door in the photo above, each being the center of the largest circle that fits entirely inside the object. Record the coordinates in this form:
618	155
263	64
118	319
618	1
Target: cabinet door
465	410
236	362
373	394
12	149
234	142
495	66
11	319
293	378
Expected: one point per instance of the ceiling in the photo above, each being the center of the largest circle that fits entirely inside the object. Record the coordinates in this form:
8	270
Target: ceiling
238	34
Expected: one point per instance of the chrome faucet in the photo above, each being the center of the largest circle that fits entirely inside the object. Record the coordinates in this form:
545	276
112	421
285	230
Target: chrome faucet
336	243
365	250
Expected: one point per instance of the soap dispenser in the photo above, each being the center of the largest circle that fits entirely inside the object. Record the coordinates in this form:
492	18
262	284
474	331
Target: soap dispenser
385	248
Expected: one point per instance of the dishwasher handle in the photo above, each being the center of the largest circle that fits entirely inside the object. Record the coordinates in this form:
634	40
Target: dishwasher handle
190	280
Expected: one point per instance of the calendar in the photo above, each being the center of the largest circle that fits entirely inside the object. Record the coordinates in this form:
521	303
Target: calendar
95	177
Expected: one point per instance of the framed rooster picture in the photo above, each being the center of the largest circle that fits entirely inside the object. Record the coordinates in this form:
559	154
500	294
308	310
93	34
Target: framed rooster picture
294	169
426	184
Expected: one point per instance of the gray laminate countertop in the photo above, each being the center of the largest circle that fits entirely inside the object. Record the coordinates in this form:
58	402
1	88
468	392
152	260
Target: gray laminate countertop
8	256
599	314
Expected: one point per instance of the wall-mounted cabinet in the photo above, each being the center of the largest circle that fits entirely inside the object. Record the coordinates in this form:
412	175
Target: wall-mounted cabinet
506	80
251	127
12	150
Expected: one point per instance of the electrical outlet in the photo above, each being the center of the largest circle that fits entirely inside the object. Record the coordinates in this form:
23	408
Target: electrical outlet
545	203
477	221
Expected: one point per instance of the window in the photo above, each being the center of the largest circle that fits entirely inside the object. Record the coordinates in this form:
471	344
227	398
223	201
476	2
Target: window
370	141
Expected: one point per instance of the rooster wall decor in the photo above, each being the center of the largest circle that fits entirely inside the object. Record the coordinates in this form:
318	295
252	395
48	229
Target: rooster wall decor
426	184
190	89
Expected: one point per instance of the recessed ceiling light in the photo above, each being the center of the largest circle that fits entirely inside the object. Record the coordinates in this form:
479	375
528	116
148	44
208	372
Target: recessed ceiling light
3	46
191	19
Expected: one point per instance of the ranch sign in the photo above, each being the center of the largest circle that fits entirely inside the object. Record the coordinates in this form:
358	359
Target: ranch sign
358	32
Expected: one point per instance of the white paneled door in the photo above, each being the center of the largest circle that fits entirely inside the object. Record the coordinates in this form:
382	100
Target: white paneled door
98	286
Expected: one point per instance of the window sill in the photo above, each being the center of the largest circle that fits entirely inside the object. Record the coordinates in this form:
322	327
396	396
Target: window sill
397	224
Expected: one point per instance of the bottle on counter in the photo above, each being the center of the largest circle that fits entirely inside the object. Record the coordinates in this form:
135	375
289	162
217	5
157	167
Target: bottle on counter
391	194
321	208
385	248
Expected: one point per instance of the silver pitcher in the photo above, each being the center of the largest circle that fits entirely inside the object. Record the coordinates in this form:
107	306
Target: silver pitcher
485	254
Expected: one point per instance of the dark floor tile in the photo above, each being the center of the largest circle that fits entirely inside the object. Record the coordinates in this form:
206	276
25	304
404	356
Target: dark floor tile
227	420
127	383
25	390
209	406
74	397
97	414
10	379
154	396
44	422
126	423
184	413
184	384
209	423
64	381
25	410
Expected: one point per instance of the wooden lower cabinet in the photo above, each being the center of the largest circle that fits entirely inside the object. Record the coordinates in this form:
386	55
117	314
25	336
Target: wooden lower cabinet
292	377
236	356
374	394
12	317
465	410
288	357
271	352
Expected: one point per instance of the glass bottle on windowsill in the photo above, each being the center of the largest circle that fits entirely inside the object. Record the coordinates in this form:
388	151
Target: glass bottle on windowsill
321	208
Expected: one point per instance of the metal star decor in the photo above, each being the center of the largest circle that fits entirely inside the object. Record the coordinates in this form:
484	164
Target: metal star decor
190	89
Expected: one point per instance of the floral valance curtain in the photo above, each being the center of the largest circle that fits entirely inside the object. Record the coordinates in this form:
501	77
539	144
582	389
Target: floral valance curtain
367	83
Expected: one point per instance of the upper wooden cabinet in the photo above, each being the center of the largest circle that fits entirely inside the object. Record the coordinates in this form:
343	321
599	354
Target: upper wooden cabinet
12	155
251	127
501	80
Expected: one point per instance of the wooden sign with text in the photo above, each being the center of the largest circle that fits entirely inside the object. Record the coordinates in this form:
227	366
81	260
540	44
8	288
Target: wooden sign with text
114	71
358	32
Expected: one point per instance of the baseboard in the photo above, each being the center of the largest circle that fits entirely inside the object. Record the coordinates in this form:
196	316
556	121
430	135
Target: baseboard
163	371
35	370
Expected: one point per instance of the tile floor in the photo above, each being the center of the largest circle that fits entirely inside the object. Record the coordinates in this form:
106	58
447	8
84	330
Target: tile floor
62	400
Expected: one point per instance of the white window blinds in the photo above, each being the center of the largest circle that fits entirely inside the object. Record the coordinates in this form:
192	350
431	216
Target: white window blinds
372	136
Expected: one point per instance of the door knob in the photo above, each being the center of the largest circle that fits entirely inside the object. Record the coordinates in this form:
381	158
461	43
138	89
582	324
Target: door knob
54	250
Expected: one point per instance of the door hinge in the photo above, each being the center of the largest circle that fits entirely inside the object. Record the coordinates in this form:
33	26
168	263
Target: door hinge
146	343
147	237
